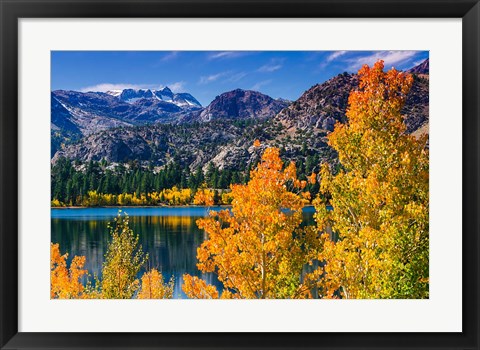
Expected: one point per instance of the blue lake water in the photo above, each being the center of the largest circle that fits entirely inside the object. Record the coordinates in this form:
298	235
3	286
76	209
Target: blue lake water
168	234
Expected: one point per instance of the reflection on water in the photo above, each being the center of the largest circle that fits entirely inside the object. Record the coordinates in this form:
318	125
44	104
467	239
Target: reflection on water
169	235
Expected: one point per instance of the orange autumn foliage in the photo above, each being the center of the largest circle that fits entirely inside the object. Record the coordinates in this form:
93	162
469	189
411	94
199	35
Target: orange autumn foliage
197	288
65	283
258	249
204	196
379	197
153	286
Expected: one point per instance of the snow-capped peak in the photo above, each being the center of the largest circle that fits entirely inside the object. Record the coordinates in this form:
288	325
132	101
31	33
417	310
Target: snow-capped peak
165	94
115	93
166	89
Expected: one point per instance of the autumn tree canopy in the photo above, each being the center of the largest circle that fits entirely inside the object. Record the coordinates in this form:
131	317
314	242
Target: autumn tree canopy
154	287
204	196
123	261
66	282
258	249
379	197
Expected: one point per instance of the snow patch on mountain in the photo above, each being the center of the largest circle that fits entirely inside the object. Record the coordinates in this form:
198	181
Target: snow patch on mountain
183	100
115	93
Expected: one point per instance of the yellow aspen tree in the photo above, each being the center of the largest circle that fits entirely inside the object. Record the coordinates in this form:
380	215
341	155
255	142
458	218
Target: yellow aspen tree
378	243
204	196
154	287
258	249
123	261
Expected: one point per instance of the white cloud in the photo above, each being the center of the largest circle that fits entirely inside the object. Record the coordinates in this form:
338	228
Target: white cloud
259	85
390	58
226	54
170	56
227	76
206	79
268	68
272	66
177	86
237	76
334	55
103	87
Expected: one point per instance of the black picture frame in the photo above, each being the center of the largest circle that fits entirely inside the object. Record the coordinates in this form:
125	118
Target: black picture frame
11	11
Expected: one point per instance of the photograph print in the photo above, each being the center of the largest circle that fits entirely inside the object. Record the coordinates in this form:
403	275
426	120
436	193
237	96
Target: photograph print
239	175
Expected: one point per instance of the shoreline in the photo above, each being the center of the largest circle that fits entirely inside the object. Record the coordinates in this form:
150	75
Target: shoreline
143	206
154	206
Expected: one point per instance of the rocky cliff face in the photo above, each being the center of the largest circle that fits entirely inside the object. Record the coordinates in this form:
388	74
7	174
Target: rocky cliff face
85	113
416	109
320	107
193	145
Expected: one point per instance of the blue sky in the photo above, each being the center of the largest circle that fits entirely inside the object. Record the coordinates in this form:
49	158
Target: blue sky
206	74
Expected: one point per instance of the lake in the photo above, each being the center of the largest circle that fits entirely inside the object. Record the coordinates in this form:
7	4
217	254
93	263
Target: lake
168	234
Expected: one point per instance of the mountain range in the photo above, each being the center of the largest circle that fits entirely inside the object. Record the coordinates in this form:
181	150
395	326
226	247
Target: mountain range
158	126
85	113
182	100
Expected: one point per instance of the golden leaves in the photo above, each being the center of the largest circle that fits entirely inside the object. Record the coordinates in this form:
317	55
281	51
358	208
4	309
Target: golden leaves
257	248
196	288
153	286
65	283
123	261
379	197
204	196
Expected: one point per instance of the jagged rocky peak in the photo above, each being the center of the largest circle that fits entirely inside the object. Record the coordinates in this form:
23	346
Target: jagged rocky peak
321	106
422	68
183	99
242	104
284	100
165	94
166	90
114	93
132	95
